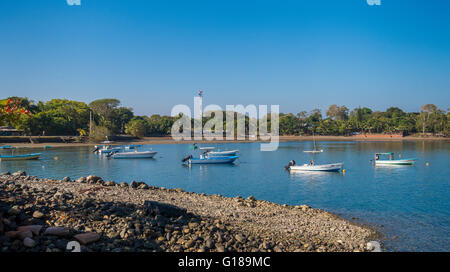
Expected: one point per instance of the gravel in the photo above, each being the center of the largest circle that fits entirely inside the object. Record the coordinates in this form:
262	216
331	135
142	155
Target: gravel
43	215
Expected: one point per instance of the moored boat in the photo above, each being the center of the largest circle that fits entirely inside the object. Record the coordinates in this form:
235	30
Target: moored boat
211	153
317	167
391	160
134	155
206	159
314	151
32	156
107	149
208	150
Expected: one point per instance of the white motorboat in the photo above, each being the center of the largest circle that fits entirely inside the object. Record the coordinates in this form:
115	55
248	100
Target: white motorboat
317	167
134	155
391	160
208	150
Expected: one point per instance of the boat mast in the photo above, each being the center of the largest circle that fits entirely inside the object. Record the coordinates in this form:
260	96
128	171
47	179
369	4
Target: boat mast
314	140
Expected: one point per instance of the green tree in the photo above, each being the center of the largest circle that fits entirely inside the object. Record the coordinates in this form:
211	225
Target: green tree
137	128
336	112
105	109
427	114
120	117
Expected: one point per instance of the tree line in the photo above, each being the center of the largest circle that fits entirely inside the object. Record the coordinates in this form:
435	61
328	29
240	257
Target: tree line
106	117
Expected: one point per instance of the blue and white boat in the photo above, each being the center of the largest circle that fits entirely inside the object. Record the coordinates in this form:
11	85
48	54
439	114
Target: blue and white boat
107	149
134	155
33	156
206	159
208	150
391	160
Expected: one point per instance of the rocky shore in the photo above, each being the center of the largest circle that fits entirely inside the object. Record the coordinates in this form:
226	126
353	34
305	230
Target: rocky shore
45	215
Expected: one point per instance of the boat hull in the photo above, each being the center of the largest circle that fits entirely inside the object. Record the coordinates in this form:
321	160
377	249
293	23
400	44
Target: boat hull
213	160
319	167
34	156
223	153
395	162
135	155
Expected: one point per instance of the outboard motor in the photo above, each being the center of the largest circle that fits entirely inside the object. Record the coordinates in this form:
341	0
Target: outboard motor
110	154
187	158
291	163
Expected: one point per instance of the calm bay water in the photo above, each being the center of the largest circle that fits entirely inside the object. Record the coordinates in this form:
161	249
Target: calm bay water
409	205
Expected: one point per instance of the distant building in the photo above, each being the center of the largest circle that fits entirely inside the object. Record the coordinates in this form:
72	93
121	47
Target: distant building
9	131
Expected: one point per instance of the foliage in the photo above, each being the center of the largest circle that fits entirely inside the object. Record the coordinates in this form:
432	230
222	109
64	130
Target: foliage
99	134
12	109
137	128
66	117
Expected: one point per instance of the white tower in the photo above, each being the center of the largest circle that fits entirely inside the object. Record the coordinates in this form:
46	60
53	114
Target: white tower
198	114
200	95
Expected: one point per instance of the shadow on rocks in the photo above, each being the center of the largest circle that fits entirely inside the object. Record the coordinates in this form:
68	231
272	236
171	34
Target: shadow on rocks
153	226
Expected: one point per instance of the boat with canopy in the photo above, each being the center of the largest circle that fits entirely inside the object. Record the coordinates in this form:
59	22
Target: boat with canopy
391	160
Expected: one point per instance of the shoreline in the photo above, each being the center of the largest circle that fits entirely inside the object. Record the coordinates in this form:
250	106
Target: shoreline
169	140
44	214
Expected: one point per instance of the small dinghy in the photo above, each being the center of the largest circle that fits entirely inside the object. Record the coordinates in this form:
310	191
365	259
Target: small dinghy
317	167
33	156
391	160
134	155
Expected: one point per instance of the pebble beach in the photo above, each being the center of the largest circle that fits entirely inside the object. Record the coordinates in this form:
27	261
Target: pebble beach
44	215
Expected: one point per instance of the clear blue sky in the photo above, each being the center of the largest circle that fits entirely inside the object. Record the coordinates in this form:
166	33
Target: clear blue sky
299	54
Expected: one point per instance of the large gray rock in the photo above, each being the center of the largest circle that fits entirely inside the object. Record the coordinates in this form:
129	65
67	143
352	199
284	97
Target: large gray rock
38	214
57	231
35	229
28	242
143	186
87	238
92	179
19	173
81	179
109	183
15	210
